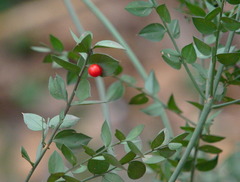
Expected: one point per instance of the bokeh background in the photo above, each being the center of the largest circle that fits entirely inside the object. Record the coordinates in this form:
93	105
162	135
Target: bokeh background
24	79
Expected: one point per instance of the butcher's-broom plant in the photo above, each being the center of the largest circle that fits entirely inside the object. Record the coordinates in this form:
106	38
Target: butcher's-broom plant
215	64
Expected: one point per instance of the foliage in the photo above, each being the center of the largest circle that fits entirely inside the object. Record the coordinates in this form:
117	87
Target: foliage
168	156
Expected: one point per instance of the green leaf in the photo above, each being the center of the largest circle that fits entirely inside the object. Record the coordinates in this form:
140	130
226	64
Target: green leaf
233	2
71	78
174	29
80	169
204	26
210	149
179	138
109	64
136	169
164	13
172	105
197	105
205	165
96	166
57	88
128	79
153	159
74	36
56	43
188	129
151	84
70	179
69	155
113	161
71	139
26	156
83	90
106	134
88	102
195	10
54	177
166	152
174	146
230	24
55	163
127	158
158	141
48	59
154	32
211	15
88	150
41	49
119	135
139	99
139	8
211	138
228	58
135	132
188	53
172	58
74	56
67	65
34	122
210	39
85	43
154	109
202	47
134	148
112	177
115	91
108	44
69	121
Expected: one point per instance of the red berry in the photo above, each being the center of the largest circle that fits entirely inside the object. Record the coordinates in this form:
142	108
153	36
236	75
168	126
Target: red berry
95	70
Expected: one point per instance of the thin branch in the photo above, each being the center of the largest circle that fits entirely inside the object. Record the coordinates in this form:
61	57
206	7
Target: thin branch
38	160
184	64
192	142
133	58
226	104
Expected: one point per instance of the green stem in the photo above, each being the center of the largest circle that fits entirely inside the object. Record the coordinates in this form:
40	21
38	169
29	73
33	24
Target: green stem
118	37
227	49
192	142
157	99
226	104
38	160
99	81
102	95
211	73
74	17
184	64
138	157
129	52
194	161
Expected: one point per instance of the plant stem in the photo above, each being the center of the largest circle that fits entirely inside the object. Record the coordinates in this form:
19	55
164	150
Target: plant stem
74	17
133	58
192	142
226	104
211	73
184	64
99	81
194	161
227	49
38	160
117	36
142	90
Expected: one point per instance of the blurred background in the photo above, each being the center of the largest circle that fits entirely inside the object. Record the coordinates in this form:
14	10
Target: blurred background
24	79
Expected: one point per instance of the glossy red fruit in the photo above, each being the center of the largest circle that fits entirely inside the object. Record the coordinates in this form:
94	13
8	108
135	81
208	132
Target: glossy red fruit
95	70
